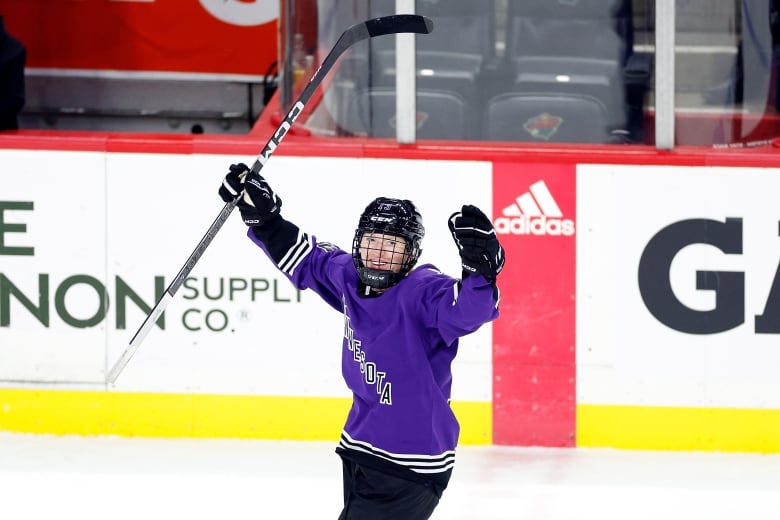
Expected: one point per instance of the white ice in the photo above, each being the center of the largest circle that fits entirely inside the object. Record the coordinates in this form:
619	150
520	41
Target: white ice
85	478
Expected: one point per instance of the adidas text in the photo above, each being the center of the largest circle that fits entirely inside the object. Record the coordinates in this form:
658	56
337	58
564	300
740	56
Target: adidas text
534	226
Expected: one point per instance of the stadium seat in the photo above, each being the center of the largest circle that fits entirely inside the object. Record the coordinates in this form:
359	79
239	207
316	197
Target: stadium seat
586	28
453	57
545	117
440	115
599	78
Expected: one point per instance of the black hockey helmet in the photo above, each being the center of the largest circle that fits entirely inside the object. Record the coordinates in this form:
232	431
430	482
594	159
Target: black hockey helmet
386	216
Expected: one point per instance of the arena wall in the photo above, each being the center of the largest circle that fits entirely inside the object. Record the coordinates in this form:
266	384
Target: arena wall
640	302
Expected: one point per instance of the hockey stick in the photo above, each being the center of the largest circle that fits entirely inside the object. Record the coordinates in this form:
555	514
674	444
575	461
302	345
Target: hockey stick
402	23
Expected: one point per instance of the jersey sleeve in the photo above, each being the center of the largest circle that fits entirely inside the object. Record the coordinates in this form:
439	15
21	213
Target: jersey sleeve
305	262
459	308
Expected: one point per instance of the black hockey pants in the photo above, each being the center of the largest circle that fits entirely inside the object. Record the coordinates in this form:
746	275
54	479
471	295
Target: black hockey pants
373	495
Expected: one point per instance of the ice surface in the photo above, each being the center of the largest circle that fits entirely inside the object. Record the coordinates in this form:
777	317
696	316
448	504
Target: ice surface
84	478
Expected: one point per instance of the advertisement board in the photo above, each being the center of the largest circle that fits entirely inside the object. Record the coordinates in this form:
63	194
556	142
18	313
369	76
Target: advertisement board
640	303
103	234
534	372
678	303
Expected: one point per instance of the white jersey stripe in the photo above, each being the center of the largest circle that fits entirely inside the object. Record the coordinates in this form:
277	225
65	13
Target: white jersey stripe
418	463
295	254
298	253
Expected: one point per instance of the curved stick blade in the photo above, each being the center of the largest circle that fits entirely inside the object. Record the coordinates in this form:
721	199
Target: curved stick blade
399	23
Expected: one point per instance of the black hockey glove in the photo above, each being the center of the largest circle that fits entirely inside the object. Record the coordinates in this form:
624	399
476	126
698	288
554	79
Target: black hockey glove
258	203
477	243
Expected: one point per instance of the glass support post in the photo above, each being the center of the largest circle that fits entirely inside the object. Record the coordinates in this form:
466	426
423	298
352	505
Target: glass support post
405	80
664	74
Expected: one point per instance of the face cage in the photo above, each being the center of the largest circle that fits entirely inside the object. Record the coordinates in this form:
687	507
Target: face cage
382	278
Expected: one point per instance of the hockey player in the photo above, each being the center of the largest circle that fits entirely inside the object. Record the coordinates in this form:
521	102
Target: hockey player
401	330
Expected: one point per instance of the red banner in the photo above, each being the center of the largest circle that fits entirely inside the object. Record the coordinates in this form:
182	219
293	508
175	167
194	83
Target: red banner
534	339
204	36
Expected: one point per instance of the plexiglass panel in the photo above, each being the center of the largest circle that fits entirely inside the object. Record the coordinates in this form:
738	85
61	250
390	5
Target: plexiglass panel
546	71
725	70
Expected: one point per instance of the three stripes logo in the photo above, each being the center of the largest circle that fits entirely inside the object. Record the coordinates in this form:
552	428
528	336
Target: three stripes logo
534	213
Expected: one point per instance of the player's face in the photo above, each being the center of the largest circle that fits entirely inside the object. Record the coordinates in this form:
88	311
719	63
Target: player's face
384	252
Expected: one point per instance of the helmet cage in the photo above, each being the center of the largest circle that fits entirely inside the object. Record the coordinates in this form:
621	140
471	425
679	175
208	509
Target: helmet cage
388	218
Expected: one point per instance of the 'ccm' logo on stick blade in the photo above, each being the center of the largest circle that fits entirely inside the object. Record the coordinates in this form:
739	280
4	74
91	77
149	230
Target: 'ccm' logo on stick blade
534	213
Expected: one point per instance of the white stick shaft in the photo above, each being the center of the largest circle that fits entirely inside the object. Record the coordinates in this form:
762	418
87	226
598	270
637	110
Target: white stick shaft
146	326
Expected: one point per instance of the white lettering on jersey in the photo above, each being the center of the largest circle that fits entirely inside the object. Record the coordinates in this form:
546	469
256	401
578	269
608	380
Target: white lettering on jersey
371	374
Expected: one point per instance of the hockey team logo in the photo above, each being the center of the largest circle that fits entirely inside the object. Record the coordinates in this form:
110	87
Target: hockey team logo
543	126
534	213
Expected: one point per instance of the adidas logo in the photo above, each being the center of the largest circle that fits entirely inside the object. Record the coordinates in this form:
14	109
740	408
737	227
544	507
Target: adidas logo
534	213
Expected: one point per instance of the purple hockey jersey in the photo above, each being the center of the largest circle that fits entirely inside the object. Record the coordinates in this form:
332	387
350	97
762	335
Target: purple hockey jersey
397	351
